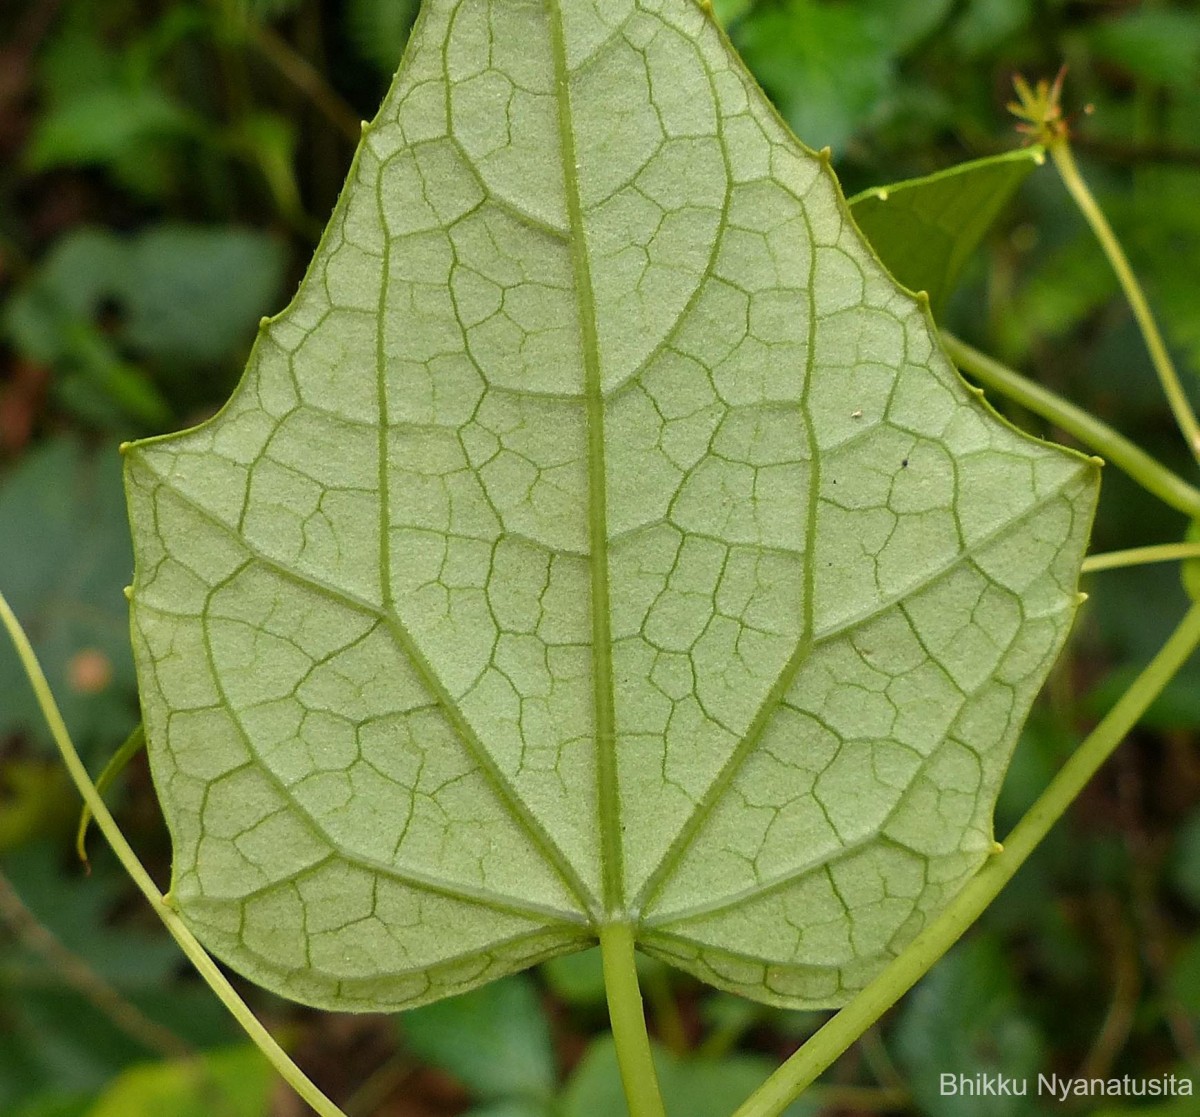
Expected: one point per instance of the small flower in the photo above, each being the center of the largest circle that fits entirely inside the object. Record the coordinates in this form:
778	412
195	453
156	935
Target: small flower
1040	109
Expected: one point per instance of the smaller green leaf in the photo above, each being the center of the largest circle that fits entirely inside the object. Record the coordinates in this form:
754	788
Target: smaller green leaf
101	126
380	29
239	1079
65	503
1160	46
54	1105
690	1087
1181	1105
825	66
925	229
1184	864
903	24
1184	978
494	1040
964	1018
985	24
514	1107
578	978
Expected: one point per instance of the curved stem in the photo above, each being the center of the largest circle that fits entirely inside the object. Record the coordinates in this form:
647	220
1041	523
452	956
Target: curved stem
1064	161
902	974
628	1021
1148	472
70	968
134	743
308	80
1140	556
188	943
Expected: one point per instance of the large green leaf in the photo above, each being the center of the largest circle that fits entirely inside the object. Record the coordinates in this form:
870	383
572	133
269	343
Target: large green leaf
599	535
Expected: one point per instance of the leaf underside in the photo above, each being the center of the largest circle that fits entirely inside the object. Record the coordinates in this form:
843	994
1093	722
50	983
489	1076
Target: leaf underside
599	534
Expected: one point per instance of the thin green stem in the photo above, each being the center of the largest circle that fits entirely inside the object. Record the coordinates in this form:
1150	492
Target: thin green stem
628	1021
307	79
918	957
1140	556
69	967
1148	472
1064	161
134	743
188	943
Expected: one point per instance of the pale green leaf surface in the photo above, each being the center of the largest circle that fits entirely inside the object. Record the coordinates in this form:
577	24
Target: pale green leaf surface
600	534
925	229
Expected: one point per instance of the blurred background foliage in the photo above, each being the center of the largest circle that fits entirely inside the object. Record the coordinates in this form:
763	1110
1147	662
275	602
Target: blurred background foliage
165	168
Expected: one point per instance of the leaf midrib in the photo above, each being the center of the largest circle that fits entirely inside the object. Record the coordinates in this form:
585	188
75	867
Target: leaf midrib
692	825
608	805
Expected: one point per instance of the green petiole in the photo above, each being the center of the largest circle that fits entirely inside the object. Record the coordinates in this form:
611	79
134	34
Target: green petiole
628	1021
1140	556
1147	471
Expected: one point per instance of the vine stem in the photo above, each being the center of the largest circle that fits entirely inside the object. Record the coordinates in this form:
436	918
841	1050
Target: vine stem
188	943
628	1021
308	80
1140	556
1147	471
1064	161
911	964
134	743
